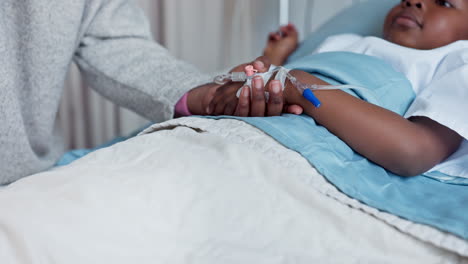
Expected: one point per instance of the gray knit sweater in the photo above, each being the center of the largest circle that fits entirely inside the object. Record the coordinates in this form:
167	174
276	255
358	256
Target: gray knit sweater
111	43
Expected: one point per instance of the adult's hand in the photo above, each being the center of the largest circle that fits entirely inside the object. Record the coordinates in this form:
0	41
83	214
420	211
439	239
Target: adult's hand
199	98
213	99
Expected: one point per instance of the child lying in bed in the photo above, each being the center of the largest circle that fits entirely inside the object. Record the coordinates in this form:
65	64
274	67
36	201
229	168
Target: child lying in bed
424	41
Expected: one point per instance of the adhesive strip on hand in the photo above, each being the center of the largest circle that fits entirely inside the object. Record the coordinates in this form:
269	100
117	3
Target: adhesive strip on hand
266	76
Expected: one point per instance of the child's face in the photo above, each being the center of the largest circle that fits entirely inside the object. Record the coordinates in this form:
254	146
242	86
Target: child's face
427	24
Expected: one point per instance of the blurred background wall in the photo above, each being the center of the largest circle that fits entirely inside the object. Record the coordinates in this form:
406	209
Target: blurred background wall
211	34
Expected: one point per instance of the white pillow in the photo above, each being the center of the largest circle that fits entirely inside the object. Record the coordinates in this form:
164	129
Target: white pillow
365	18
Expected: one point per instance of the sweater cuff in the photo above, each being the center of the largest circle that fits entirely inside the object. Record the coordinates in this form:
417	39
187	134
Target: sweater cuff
181	108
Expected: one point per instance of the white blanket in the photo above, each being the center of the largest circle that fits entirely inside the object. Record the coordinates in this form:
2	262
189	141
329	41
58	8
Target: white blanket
202	191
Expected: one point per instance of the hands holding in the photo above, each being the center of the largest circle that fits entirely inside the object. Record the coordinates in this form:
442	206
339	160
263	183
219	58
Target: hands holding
222	100
252	102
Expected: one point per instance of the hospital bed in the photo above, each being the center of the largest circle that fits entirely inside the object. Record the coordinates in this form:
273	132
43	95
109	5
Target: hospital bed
197	190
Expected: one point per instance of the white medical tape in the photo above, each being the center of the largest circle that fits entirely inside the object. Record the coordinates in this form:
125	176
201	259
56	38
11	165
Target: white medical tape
281	75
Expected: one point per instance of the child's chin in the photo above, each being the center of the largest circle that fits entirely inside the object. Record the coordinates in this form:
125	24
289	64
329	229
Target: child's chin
403	38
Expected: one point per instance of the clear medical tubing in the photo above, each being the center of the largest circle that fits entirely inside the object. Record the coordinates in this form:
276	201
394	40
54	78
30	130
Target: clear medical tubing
305	89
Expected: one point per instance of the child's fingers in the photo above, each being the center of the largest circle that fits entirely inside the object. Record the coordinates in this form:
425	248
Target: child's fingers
258	97
292	31
275	102
262	64
284	30
243	106
271	36
274	36
291	27
288	30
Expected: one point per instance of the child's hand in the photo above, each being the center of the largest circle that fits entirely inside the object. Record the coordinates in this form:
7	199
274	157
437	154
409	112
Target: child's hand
200	99
252	102
225	101
281	44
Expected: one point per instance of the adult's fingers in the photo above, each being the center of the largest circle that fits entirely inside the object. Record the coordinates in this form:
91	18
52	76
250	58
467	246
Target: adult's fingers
222	97
209	97
231	107
258	97
275	102
243	106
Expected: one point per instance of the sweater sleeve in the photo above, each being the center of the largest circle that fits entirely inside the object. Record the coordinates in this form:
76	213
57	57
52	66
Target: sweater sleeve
120	60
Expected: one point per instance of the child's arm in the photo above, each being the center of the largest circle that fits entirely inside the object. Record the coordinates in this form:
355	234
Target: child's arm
281	44
405	147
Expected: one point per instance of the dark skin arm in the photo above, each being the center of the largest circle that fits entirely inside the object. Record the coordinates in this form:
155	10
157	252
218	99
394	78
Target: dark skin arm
404	147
